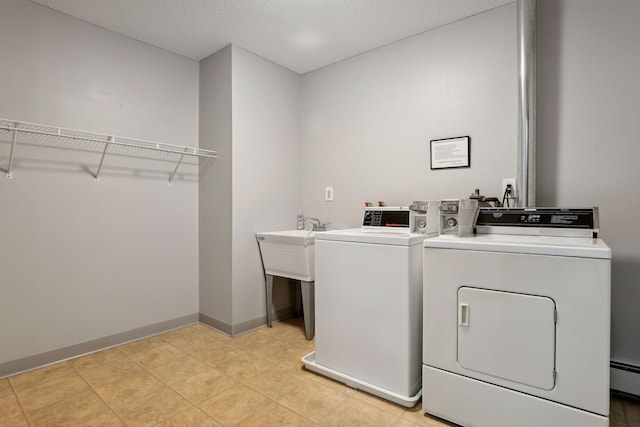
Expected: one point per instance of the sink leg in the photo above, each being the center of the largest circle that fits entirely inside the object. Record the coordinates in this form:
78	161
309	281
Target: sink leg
308	304
269	287
296	297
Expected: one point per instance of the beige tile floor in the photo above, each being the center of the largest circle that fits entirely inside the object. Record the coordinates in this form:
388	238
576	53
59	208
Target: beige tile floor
196	376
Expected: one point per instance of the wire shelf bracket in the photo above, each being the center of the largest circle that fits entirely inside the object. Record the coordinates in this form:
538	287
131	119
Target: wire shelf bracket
13	128
104	152
169	151
176	168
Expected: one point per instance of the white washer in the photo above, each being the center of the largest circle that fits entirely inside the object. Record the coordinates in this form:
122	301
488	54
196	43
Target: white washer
369	310
517	327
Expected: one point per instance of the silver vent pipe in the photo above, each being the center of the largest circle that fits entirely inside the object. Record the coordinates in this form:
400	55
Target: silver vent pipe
526	179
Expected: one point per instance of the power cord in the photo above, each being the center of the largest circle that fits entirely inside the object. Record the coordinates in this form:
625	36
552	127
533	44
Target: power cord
507	192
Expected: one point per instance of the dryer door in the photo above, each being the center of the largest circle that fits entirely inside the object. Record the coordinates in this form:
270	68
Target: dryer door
507	335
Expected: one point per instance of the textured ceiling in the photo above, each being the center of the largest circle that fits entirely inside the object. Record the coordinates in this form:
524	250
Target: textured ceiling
302	35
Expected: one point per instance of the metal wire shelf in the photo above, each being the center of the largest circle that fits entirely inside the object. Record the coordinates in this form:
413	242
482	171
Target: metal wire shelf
37	134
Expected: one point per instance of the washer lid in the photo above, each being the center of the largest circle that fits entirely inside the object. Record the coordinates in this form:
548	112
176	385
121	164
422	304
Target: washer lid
358	235
538	245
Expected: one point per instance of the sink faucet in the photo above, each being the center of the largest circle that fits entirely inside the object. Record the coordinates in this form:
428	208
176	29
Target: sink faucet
316	225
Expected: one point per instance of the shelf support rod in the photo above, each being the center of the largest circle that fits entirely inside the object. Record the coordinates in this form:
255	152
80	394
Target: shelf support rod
13	147
104	152
177	166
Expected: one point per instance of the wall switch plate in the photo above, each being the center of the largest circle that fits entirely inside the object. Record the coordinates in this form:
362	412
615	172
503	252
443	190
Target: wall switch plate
513	195
328	194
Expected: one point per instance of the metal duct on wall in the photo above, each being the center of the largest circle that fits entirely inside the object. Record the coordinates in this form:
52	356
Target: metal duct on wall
526	180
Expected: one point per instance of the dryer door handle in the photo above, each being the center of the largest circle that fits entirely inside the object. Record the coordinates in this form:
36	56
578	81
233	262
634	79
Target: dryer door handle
463	315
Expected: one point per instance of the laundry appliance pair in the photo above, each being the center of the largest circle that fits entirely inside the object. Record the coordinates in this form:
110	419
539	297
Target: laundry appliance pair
508	326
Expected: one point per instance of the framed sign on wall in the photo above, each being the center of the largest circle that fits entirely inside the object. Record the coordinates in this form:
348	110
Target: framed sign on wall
450	153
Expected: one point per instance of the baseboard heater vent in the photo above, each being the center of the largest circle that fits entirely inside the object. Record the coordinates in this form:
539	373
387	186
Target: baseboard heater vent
625	378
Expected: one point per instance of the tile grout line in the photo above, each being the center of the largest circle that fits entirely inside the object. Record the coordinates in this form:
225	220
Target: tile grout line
194	356
197	357
398	417
275	401
24	412
193	405
243	382
278	403
404	409
286	368
277	339
210	365
320	382
143	368
98	394
313	379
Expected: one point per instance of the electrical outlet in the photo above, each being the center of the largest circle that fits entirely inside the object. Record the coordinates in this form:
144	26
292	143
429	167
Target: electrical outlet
328	194
512	195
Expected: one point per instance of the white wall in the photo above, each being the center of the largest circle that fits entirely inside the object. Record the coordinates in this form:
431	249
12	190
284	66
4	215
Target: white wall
266	172
249	113
366	122
80	260
216	189
588	150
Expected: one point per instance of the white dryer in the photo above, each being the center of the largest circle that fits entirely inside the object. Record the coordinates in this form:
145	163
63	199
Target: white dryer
368	304
517	321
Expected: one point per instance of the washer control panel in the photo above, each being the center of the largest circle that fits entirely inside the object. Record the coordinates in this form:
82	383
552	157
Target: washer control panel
386	217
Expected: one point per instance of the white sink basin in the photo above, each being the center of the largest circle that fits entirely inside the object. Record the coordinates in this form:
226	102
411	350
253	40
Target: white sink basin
288	253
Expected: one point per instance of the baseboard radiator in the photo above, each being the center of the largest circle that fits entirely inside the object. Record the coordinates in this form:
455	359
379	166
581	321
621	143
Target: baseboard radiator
625	377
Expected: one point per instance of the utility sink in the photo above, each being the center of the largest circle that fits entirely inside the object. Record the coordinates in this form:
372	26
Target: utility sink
288	253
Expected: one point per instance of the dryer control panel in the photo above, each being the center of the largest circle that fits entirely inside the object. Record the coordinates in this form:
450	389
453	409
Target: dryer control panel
569	222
